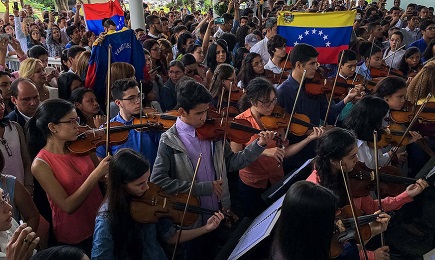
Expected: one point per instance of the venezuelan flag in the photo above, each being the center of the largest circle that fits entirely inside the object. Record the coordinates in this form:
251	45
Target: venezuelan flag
328	32
95	13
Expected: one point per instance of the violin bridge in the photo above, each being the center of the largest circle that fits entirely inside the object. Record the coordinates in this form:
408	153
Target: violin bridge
164	203
339	225
372	175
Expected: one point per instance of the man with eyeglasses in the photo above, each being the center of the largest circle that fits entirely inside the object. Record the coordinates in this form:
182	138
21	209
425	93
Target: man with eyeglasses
428	31
154	28
25	97
126	94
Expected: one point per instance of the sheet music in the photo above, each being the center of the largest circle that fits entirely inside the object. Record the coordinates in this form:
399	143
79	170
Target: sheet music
258	230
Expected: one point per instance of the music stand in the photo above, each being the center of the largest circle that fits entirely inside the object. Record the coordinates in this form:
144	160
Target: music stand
280	188
260	228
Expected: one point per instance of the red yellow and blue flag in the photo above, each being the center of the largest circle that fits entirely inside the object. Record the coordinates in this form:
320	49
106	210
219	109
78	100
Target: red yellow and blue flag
328	32
95	13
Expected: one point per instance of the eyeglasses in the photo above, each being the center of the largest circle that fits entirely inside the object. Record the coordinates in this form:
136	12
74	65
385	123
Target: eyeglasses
71	121
6	145
258	64
269	102
134	99
430	29
5	198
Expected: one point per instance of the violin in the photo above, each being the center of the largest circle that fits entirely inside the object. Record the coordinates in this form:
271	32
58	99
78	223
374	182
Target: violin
413	72
237	130
275	78
236	94
385	71
345	229
299	126
87	141
155	204
370	85
362	180
407	113
319	85
392	135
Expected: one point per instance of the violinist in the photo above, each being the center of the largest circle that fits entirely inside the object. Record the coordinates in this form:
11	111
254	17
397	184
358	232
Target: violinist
178	153
393	90
392	55
372	55
422	84
276	46
304	57
125	93
70	181
117	235
347	71
252	67
410	62
338	148
260	100
294	232
224	76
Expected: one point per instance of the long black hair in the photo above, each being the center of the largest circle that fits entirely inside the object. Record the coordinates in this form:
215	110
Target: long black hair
211	54
389	85
125	166
366	116
307	209
333	146
49	111
247	72
403	65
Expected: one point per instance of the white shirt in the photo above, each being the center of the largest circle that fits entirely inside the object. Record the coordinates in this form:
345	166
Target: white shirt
393	60
271	66
261	48
366	155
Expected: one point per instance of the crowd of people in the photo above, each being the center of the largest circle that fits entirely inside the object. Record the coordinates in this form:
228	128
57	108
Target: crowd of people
199	73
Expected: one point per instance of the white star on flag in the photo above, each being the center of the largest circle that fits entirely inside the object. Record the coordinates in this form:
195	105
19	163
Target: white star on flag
320	32
296	43
328	44
314	31
307	32
300	37
325	37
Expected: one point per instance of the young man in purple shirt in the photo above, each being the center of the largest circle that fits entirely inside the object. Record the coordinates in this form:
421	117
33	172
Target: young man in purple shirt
180	148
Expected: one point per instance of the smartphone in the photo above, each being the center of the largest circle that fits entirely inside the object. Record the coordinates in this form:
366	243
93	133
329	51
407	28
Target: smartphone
5	36
55	13
210	11
219	20
358	16
154	69
16	6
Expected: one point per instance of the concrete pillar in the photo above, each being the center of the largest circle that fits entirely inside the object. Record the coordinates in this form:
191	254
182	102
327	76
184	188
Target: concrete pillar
136	14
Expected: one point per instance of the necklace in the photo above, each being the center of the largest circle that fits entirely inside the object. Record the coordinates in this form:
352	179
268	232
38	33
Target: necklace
6	145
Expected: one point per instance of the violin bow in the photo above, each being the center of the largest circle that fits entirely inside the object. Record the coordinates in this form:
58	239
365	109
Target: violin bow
352	207
378	183
294	105
187	204
140	114
282	71
333	88
429	60
411	124
392	60
371	50
109	62
221	99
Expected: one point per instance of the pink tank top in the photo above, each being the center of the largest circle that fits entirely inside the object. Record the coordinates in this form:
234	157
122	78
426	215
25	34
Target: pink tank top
71	172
